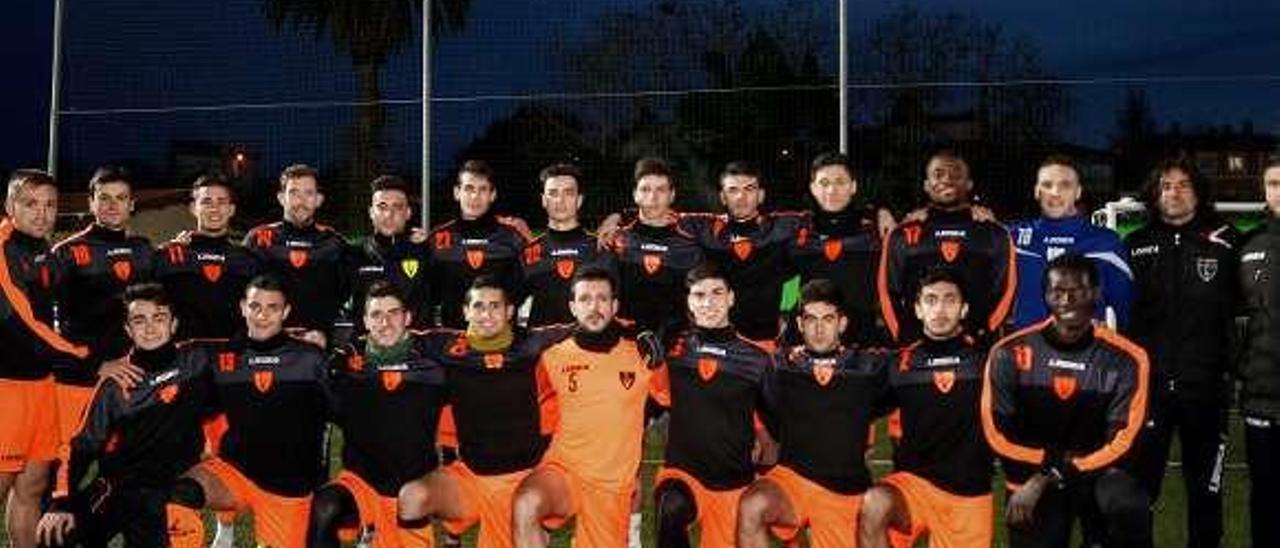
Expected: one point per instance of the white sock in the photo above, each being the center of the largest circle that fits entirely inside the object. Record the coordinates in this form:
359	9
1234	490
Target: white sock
225	537
633	530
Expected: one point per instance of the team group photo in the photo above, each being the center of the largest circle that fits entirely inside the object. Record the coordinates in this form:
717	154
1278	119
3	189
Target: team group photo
639	273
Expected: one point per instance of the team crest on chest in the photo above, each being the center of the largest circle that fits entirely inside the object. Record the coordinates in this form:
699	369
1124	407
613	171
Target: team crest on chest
168	393
122	269
1207	268
832	248
262	380
652	263
707	368
211	272
627	378
298	258
950	250
823	372
742	248
944	380
493	361
564	268
409	267
391	380
475	258
1064	386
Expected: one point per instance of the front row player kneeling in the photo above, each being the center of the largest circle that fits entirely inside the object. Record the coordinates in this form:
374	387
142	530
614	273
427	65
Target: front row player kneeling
941	483
141	438
823	398
601	379
1062	402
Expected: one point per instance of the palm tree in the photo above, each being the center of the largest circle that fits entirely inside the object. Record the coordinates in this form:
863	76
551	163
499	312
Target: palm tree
369	31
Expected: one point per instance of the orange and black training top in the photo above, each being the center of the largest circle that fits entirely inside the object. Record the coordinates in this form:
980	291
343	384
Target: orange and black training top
205	280
502	408
549	263
823	405
148	436
26	310
314	263
844	247
754	255
651	263
276	397
463	250
716	387
981	253
388	407
1074	407
95	266
935	386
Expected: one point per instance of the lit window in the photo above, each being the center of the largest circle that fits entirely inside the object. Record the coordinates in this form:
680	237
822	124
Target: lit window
1235	163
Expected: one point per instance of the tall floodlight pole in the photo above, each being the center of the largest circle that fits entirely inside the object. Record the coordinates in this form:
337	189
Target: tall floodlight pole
426	114
844	76
55	90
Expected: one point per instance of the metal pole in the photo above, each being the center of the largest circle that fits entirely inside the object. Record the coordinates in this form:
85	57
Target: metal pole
844	76
426	114
55	90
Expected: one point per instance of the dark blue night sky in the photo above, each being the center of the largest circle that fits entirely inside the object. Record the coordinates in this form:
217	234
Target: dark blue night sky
138	54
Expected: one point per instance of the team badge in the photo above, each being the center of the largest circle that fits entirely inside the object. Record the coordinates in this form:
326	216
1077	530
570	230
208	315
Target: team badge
707	368
298	257
823	373
262	380
742	249
169	393
950	250
122	269
475	258
212	272
627	378
409	267
1022	357
493	361
1064	386
652	263
832	248
944	380
391	380
1207	268
564	268
226	362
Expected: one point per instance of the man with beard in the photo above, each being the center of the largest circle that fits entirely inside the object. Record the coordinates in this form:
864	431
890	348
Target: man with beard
310	258
1184	265
601	379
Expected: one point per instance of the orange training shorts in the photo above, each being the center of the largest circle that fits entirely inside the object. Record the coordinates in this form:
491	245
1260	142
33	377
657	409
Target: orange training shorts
278	521
832	518
950	521
29	429
717	510
380	513
602	514
486	500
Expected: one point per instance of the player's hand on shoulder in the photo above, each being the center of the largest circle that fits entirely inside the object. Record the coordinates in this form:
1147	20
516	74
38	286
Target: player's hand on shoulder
313	336
125	374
